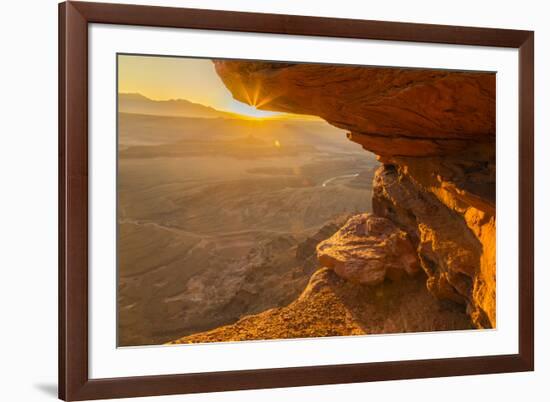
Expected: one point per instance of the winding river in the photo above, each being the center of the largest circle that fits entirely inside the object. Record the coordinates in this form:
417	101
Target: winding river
346	176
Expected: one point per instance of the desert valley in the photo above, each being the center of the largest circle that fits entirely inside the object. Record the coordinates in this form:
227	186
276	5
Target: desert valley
219	216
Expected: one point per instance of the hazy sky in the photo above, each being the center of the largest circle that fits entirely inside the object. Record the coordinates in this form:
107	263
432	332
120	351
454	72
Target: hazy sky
162	78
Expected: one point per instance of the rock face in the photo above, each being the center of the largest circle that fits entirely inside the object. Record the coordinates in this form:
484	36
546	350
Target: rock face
390	111
367	249
455	244
434	132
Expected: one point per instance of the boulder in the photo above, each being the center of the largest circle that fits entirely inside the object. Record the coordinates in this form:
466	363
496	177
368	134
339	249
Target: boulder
367	249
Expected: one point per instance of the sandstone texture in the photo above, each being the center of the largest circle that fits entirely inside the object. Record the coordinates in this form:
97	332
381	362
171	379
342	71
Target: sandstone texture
434	133
454	249
390	111
367	249
333	306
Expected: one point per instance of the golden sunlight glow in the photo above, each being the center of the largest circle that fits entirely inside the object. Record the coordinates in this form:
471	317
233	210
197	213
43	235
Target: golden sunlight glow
169	78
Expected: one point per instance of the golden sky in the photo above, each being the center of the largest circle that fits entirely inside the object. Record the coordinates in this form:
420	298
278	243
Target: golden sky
163	78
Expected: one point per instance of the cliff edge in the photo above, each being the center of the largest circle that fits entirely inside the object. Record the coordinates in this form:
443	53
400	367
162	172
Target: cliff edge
434	195
434	132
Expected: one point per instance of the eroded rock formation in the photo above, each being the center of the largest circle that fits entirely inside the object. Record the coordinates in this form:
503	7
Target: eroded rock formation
390	111
434	132
367	249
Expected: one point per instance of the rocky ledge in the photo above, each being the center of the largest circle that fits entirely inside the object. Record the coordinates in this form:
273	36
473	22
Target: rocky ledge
433	131
390	111
433	197
333	306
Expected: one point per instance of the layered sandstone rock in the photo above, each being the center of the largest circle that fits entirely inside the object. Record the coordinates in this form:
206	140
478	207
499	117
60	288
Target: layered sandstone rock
434	132
390	111
454	249
367	249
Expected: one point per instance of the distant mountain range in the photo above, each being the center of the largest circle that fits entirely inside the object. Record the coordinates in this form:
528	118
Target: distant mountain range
136	103
139	104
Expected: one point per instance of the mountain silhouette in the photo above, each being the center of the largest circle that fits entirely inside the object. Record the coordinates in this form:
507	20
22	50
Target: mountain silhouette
138	104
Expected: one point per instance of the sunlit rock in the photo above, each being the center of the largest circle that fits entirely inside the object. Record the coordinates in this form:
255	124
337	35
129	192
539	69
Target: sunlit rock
434	131
367	249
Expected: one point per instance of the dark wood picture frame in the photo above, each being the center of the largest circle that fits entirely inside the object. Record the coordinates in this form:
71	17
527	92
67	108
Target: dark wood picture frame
74	381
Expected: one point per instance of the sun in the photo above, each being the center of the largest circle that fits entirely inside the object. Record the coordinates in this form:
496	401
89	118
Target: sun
245	110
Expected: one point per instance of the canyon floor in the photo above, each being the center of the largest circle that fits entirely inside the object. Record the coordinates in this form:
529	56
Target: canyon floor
219	220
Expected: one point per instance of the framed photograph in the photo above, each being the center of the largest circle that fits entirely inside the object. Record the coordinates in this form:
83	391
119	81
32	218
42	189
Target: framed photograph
259	200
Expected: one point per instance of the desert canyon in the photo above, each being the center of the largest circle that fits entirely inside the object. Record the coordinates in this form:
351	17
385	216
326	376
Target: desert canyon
417	251
434	133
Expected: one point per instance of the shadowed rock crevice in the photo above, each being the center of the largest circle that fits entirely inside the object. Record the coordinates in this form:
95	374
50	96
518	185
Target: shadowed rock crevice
449	251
